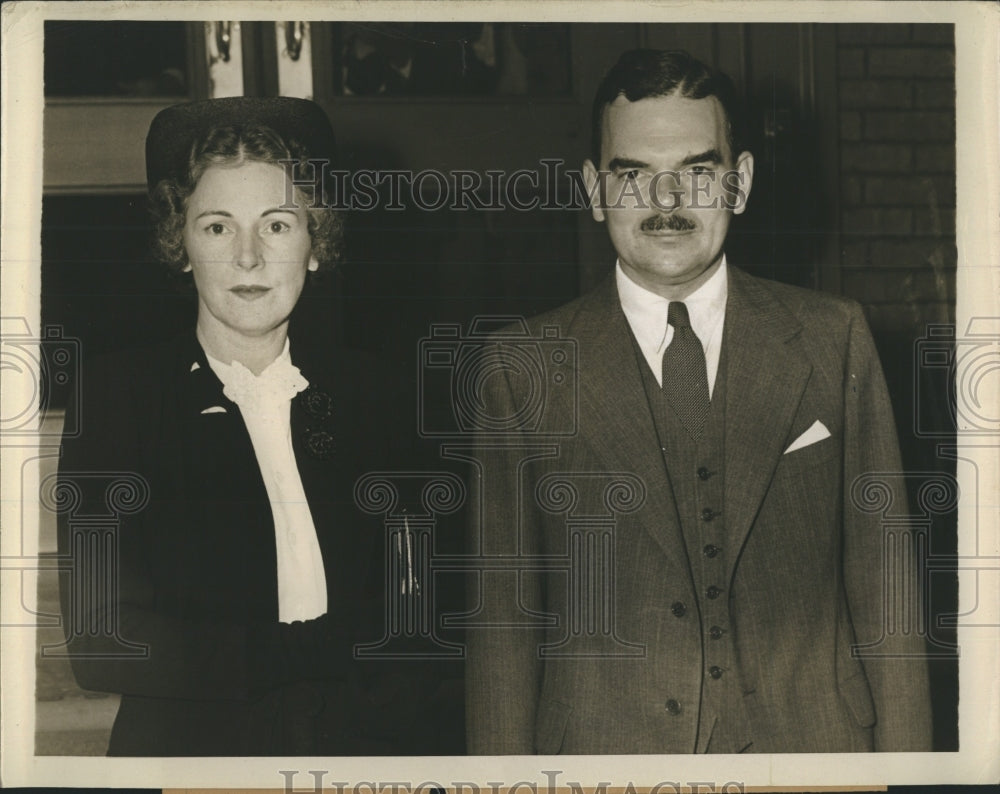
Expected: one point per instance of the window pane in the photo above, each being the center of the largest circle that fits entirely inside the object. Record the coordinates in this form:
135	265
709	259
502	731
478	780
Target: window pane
452	58
116	59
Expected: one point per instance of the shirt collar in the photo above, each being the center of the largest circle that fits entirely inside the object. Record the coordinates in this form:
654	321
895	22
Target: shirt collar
647	311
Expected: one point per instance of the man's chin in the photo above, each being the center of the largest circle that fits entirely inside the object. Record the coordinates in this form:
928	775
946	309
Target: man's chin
669	273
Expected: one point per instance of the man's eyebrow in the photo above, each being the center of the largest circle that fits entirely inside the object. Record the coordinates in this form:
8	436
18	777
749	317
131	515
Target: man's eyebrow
711	156
618	163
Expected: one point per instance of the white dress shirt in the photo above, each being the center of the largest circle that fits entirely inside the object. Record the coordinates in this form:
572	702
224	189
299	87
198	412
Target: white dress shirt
646	313
265	403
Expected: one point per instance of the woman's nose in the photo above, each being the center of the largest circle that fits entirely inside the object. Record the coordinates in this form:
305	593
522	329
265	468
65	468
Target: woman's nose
247	250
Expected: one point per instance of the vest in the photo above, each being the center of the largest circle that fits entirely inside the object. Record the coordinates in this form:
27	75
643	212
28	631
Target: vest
696	474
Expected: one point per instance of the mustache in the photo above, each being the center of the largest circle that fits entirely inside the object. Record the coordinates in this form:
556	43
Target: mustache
668	223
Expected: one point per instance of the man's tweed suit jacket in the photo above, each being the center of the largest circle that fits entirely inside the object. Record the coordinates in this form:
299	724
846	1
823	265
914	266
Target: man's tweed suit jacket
804	580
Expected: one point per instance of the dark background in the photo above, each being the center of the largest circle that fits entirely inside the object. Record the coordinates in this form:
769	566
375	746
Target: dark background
853	132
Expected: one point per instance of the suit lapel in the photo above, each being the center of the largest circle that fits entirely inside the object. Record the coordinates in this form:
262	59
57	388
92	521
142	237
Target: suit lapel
222	482
766	376
217	439
614	413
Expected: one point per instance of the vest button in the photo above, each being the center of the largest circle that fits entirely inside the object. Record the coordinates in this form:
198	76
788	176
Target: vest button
713	592
707	514
673	707
678	609
715	672
703	473
715	633
711	550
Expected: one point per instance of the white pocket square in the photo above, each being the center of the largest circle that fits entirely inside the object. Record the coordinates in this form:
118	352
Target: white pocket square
218	409
816	432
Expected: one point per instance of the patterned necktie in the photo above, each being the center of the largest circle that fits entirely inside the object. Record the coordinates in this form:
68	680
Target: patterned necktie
685	377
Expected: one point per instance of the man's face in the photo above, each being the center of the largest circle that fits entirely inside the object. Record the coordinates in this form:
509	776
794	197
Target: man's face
671	189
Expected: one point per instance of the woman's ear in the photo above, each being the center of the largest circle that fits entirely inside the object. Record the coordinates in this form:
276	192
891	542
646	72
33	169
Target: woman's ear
313	263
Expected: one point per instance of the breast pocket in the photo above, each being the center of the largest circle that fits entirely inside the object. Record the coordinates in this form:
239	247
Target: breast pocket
803	459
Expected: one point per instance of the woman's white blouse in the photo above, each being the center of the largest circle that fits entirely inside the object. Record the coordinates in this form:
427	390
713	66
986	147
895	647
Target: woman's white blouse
265	401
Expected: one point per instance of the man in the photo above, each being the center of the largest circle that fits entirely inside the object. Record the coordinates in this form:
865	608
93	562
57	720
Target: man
693	574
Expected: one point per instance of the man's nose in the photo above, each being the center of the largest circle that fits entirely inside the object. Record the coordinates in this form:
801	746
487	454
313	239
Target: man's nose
667	192
248	255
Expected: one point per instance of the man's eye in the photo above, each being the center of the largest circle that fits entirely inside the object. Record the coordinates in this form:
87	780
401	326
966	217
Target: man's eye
631	175
700	169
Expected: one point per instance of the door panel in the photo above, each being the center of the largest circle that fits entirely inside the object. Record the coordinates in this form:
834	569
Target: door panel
783	235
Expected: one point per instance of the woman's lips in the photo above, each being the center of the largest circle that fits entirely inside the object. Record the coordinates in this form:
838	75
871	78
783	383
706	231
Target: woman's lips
250	292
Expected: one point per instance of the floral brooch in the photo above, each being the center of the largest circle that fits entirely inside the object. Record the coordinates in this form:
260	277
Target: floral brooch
318	406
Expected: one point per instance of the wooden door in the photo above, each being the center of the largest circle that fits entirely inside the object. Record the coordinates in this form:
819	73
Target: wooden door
453	266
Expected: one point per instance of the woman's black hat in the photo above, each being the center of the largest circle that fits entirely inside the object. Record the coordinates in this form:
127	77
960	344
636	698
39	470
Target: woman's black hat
175	129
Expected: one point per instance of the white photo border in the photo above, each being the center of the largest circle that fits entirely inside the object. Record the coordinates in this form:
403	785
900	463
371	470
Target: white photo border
978	288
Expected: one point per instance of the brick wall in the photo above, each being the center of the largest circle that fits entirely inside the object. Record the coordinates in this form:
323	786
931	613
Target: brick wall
897	183
897	223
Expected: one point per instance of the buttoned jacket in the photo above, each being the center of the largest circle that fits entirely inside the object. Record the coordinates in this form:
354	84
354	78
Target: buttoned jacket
807	557
196	649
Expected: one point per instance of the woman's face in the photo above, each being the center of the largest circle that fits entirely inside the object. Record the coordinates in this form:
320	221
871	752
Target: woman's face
248	254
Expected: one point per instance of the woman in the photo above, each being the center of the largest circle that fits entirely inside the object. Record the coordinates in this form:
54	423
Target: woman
245	572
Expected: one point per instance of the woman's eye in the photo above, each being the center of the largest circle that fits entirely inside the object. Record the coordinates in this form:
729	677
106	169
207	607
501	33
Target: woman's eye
276	227
216	228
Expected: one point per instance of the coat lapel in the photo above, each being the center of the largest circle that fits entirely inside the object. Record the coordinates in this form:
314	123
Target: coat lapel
614	413
221	470
217	439
766	376
221	483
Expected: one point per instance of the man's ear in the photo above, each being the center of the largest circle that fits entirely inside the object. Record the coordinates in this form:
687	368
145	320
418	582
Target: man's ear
744	181
595	190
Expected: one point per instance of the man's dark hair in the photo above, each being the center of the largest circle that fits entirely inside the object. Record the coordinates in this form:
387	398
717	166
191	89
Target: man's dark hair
644	73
